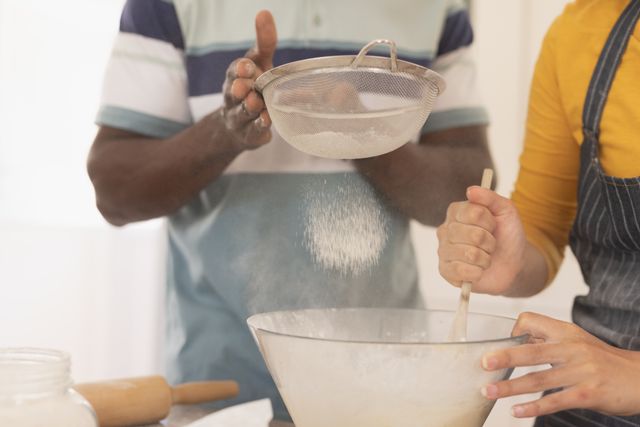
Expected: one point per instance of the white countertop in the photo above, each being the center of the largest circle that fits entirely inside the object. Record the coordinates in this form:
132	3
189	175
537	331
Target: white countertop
181	415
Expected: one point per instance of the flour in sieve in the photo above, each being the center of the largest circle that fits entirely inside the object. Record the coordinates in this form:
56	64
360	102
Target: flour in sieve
350	145
346	230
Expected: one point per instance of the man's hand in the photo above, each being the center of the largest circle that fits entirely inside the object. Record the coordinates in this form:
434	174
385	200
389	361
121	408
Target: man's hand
482	241
244	114
137	177
592	374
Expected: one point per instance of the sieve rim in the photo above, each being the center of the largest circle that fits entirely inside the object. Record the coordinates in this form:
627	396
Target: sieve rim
343	63
382	113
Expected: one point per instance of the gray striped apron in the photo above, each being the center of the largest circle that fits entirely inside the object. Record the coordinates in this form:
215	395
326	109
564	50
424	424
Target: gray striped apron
606	233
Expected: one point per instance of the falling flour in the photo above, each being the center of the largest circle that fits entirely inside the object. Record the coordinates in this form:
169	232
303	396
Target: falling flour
346	230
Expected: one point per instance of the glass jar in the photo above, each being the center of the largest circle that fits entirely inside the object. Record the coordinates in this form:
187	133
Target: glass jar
35	390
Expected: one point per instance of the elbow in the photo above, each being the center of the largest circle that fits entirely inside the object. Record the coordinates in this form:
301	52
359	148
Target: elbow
110	215
108	209
104	203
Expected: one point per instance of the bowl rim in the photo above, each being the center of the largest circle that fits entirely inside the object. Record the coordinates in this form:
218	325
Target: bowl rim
521	339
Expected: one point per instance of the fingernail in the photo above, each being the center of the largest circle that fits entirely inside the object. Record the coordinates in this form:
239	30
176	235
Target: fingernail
517	411
468	191
249	67
489	391
489	362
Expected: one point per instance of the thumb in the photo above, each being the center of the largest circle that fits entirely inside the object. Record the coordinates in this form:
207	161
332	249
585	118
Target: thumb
266	40
547	329
541	328
497	204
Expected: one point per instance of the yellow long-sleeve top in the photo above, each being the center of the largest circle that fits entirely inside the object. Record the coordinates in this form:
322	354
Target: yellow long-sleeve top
546	190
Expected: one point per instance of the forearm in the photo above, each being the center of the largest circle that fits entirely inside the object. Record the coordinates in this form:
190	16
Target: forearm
137	178
420	180
532	278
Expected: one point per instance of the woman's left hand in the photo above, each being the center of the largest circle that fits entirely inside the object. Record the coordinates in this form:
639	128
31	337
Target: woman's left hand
592	374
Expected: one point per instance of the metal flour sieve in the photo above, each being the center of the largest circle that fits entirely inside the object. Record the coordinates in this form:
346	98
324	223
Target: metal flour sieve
350	107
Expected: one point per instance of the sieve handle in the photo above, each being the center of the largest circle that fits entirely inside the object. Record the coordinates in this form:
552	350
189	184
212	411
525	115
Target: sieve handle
392	47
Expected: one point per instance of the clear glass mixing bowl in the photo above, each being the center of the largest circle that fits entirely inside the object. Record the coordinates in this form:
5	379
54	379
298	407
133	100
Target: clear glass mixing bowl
381	367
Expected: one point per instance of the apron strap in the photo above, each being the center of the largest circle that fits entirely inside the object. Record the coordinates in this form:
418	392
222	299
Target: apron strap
606	68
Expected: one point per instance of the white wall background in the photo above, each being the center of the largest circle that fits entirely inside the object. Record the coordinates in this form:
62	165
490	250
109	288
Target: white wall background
70	281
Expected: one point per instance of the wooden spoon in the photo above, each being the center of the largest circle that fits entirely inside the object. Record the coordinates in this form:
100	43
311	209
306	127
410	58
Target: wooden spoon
458	331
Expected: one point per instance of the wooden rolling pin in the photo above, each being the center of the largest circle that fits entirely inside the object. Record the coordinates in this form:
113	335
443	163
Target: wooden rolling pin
147	400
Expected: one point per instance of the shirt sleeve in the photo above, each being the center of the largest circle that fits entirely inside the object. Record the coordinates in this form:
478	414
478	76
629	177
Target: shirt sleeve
460	104
545	191
145	87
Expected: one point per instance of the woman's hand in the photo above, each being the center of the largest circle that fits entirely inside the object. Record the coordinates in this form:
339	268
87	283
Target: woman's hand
482	241
592	374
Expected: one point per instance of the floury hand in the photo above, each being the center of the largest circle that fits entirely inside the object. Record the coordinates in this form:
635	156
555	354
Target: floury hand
244	115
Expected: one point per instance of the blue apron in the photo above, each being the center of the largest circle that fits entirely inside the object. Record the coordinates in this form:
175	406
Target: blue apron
605	237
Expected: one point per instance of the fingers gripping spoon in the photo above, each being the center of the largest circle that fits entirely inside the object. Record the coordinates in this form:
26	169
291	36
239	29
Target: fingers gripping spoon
458	330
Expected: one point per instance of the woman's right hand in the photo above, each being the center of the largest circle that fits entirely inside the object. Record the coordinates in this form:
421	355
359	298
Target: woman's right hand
482	241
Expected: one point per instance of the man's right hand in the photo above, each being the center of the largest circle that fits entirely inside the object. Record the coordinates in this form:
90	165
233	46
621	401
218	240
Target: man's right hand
482	241
137	177
244	113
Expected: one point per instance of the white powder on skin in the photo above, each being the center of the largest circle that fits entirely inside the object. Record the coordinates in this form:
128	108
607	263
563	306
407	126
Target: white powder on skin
346	230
